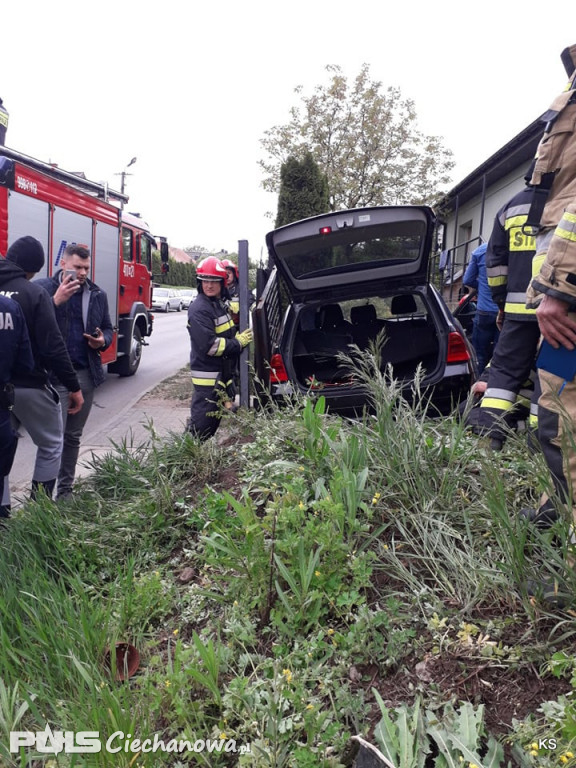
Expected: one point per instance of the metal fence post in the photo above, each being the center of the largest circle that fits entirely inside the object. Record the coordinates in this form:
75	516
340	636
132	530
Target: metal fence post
243	289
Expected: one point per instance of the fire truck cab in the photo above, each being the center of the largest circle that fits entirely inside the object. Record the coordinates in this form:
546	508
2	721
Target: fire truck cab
59	208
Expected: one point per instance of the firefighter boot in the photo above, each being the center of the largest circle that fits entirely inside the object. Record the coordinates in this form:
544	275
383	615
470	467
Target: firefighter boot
543	517
552	593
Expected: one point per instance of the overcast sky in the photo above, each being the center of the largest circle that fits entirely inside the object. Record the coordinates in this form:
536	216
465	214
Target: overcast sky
190	87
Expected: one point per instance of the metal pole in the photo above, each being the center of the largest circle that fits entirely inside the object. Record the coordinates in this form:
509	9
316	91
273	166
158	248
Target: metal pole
244	306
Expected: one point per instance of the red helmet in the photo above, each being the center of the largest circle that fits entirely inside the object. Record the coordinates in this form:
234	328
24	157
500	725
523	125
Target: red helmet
230	265
211	268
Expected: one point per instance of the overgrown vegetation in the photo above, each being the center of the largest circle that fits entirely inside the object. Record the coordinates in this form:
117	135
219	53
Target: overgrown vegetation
308	579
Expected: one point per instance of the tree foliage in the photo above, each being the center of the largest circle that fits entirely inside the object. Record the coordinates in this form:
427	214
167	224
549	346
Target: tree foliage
303	190
179	273
365	141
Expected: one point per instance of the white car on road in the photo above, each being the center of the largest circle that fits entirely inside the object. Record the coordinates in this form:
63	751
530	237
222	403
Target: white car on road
187	295
165	299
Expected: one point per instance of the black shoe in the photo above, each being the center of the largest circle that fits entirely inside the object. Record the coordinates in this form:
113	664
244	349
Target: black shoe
551	592
46	485
543	517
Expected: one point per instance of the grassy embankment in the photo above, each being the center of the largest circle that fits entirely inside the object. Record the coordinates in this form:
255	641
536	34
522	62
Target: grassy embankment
309	579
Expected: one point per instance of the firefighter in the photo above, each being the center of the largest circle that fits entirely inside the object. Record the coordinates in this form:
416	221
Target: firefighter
553	292
15	358
231	284
509	260
215	346
553	288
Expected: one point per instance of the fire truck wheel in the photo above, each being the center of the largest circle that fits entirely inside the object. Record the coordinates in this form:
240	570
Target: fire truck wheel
128	364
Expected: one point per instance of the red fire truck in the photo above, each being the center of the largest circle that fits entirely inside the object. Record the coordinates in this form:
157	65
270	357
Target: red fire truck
59	208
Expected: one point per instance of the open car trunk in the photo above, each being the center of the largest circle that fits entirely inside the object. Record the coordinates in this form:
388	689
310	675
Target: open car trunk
406	329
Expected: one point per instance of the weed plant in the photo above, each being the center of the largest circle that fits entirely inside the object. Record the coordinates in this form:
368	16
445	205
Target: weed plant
348	556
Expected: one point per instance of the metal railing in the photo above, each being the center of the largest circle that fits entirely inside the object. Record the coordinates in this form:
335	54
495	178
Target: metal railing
447	268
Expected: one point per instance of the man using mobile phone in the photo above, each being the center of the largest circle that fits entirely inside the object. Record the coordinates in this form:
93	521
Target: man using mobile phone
83	316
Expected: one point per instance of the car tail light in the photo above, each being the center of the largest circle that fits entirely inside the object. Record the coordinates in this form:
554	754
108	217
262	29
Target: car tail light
457	349
277	370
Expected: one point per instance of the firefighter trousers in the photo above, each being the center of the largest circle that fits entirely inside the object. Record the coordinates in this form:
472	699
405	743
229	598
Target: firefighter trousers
509	378
207	407
557	432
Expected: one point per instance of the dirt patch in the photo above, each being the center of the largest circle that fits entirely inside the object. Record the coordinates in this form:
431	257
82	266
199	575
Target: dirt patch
177	387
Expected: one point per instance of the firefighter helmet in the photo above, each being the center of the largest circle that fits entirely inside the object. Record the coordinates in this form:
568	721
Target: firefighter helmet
229	264
211	268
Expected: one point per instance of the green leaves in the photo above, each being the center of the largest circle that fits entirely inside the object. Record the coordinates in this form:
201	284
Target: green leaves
407	736
365	140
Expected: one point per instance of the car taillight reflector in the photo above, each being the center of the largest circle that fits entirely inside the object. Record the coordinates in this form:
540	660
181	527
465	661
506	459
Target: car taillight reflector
457	349
277	370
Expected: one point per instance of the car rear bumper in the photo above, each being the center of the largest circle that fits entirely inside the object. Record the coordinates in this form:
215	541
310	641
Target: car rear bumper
441	398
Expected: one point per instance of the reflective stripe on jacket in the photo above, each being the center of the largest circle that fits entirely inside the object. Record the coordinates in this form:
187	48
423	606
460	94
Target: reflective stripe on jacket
212	342
509	257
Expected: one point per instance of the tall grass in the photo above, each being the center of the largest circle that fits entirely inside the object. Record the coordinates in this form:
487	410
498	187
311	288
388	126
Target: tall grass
345	545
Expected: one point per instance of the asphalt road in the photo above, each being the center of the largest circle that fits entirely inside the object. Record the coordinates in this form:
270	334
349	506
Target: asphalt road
115	414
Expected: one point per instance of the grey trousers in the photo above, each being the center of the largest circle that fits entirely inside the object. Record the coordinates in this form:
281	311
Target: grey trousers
73	429
38	412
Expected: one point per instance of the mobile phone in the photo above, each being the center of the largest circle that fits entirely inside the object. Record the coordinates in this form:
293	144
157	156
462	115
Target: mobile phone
95	333
70	273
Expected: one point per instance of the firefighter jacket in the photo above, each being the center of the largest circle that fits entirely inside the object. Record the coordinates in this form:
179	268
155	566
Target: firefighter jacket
48	347
509	257
95	315
556	152
556	244
213	348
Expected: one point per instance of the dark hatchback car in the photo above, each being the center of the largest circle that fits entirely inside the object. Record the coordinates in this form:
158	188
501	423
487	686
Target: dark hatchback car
340	279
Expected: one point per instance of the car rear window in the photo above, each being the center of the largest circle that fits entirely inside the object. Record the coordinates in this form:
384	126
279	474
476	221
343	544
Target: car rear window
353	249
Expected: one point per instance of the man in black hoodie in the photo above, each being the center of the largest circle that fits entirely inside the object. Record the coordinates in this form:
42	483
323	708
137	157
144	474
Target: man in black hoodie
36	403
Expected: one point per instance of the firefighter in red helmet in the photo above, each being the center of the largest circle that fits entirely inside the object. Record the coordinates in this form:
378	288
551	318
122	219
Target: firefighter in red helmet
214	348
232	278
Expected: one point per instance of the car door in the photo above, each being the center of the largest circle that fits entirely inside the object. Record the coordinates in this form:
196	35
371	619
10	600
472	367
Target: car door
267	327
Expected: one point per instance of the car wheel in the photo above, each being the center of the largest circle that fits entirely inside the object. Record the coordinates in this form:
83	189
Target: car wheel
128	364
179	307
166	308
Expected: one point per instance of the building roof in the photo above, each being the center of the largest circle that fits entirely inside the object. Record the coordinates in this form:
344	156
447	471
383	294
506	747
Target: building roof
513	155
181	256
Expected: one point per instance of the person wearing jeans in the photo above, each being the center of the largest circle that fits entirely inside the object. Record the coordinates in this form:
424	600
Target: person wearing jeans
485	331
84	320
